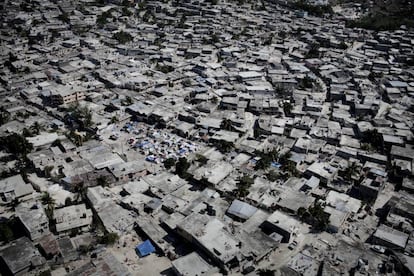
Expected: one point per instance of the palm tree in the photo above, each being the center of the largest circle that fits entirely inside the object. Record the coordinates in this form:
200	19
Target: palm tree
114	120
76	138
290	168
36	128
273	154
351	171
319	217
49	201
80	189
243	185
82	115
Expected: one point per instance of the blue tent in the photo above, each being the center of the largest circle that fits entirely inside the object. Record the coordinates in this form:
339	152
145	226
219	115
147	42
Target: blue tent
145	248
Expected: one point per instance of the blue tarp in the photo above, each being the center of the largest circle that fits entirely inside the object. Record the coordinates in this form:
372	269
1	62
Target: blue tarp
276	165
145	248
150	158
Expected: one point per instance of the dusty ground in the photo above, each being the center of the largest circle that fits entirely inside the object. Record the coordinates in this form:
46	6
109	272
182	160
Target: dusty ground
149	265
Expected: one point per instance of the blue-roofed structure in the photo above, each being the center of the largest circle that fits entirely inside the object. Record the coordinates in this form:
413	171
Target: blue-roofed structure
145	248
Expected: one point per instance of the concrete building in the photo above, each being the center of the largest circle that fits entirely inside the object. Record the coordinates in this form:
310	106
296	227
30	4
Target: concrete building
66	95
192	265
75	217
209	235
390	237
34	220
19	257
14	187
105	264
282	224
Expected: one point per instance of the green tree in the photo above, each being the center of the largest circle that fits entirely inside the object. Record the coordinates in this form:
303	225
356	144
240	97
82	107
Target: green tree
113	120
320	219
303	214
290	168
126	11
224	146
266	158
109	238
284	158
181	167
82	115
351	171
84	249
243	185
272	176
80	189
263	163
16	144
76	138
142	5
169	163
201	159
164	68
102	19
122	37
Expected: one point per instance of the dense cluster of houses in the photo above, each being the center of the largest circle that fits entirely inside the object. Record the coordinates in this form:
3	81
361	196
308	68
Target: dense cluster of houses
258	137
